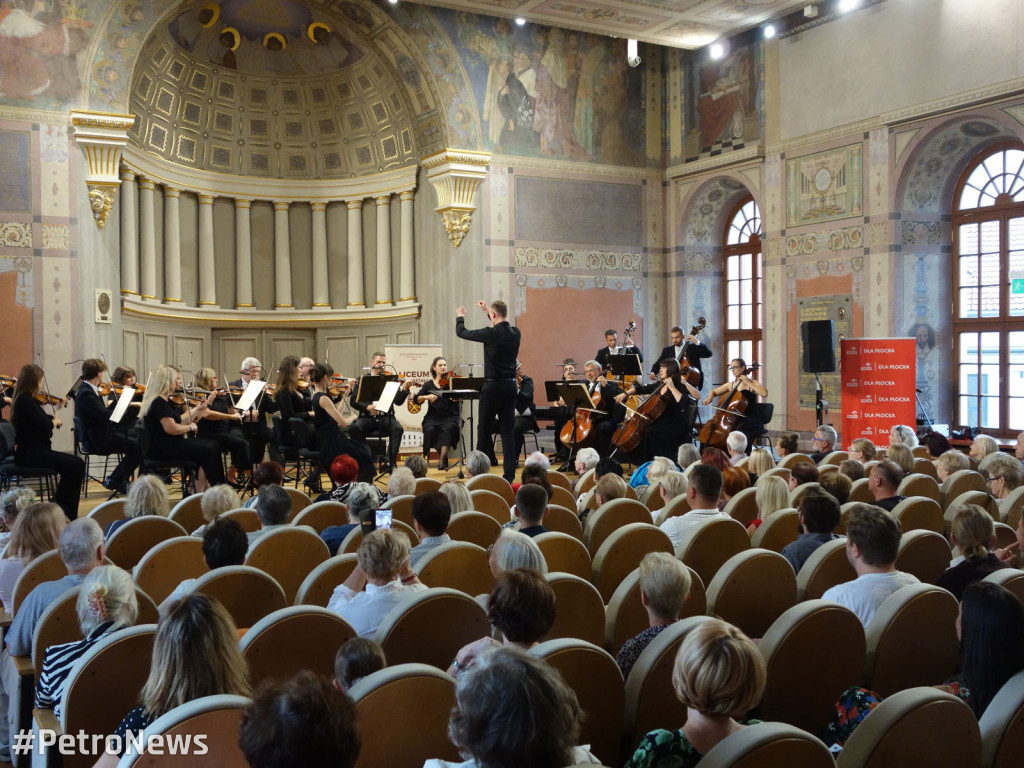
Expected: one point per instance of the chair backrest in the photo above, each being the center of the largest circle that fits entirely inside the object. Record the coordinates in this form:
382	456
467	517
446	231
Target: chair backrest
591	672
825	568
752	589
457	565
322	514
564	553
169	563
835	458
1005	535
897	658
426	485
248	519
494	483
47	567
562	497
1009	578
920	513
919	726
780	529
708	544
287	641
959	482
107	512
768	745
319	585
920	484
247	593
791	459
743	506
622	552
299	501
57	624
474	527
558	480
1011	507
610	516
431	626
490	503
652	498
925	466
579	609
188	513
134	539
215	718
804	694
404	693
680	505
350	544
925	554
1002	726
626	617
586	481
563	520
401	507
288	554
799	491
860	491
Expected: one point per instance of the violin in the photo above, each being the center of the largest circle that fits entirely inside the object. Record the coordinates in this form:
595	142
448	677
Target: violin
338	386
181	398
45	398
7	384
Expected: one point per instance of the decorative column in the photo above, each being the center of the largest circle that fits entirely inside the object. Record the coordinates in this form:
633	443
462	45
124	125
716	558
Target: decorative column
147	233
243	254
207	265
384	250
406	278
172	246
455	174
129	235
321	285
355	253
282	257
101	137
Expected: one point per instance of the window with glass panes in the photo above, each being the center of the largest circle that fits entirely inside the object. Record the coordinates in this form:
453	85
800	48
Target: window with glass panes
988	292
742	280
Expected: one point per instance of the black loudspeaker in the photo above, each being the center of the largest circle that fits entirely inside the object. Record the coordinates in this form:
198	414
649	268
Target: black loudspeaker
819	346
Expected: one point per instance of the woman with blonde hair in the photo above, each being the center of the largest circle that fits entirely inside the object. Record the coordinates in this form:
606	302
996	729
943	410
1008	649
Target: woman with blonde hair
771	494
458	496
215	502
195	654
974	533
903	456
147	496
36	531
760	461
106	603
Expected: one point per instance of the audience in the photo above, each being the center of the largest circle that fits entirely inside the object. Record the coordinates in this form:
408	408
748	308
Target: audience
146	496
416	464
872	542
936	444
477	463
539	459
761	461
357	658
274	509
586	459
529	510
825	438
736	442
515	550
664	586
949	462
852	468
535	474
819	515
884	482
715	457
401	483
13	502
771	495
983	446
458	496
343	471
974	533
224	544
862	450
217	500
36	531
609	486
802	472
901	434
903	457
363	501
787	443
838	484
705	486
265	473
1002	472
431	514
687	455
734	480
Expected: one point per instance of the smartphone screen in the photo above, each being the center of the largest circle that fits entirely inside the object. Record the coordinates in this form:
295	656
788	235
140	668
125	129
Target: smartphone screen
383	518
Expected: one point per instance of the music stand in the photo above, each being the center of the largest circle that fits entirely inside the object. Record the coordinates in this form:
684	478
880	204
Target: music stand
369	390
469	389
624	365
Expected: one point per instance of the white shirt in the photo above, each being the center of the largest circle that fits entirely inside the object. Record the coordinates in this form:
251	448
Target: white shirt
866	593
675	527
364	611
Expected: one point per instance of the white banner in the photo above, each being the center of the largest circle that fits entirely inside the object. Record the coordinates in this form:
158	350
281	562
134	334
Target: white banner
412	361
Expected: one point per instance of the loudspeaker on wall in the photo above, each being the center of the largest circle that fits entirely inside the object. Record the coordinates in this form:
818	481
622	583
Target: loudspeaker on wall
819	346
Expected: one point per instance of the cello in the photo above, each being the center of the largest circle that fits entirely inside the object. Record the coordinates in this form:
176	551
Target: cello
729	409
578	432
630	433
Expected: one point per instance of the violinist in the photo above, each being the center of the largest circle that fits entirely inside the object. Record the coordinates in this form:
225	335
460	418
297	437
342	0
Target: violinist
675	425
749	389
254	421
223	425
123	376
693	347
305	366
370	422
526	421
288	391
33	429
605	394
441	420
167	423
328	422
99	434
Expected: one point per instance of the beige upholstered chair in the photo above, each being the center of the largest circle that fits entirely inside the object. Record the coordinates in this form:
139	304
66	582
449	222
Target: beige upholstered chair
188	513
288	554
457	565
134	539
247	593
563	520
708	544
743	506
579	610
322	514
610	516
622	552
680	505
430	627
1002	726
780	529
921	484
565	553
474	527
248	519
401	508
925	554
825	568
426	485
169	563
495	484
319	585
920	513
107	512
299	501
769	745
491	503
752	589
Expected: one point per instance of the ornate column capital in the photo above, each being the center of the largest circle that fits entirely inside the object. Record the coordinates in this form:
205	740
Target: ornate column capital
101	136
455	174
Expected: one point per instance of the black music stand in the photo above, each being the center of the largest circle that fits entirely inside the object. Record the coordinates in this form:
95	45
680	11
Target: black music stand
575	395
469	390
625	365
369	391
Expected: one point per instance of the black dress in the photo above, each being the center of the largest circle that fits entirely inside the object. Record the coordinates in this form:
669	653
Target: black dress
165	447
441	421
332	442
227	434
675	425
33	429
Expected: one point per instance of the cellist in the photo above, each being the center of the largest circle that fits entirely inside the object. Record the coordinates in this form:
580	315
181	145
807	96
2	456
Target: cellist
675	425
748	388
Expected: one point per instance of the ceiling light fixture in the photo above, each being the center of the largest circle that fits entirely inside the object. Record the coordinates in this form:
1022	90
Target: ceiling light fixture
769	32
717	50
845	6
520	21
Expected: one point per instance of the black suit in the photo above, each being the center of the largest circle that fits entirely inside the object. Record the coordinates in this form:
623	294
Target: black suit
605	425
524	423
694	353
102	436
257	432
605	353
382	424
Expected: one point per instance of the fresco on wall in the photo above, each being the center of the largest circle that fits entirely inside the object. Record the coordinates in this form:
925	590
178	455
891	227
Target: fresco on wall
825	186
723	112
548	92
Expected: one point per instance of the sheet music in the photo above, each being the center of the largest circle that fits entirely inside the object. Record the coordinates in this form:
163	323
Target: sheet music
252	391
387	397
122	404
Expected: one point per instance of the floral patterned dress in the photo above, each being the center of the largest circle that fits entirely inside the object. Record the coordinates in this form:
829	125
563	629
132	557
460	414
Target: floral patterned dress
668	749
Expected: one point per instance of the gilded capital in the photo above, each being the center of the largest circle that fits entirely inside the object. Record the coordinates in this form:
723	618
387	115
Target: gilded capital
455	175
101	136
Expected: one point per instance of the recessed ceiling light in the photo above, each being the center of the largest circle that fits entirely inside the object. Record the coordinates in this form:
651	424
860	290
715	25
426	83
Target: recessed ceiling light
769	32
717	50
845	6
520	20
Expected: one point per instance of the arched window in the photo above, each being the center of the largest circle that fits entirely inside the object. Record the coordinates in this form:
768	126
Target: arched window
742	281
988	292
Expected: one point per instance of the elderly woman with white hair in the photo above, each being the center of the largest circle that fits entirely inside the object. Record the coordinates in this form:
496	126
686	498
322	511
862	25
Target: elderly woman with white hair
538	458
106	603
458	496
147	496
515	550
215	502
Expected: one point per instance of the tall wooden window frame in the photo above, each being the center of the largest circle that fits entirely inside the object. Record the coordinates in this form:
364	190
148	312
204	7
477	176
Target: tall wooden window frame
743	284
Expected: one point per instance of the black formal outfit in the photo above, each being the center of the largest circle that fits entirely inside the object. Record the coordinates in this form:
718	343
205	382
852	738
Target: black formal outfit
164	447
675	425
749	422
227	434
33	430
331	441
102	436
525	419
441	420
498	395
257	432
562	416
694	354
605	425
605	353
381	424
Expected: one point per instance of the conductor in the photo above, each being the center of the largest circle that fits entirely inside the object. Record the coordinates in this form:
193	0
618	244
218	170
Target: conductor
498	395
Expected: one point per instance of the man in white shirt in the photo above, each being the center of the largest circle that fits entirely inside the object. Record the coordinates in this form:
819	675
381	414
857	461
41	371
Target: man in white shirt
705	486
872	542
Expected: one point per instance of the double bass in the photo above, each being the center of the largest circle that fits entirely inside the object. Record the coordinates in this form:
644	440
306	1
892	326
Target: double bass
729	410
689	373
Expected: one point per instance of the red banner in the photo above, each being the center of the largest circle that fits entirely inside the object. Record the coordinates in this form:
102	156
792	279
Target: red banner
879	377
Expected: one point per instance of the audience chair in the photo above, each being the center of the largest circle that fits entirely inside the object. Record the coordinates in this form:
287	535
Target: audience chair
925	466
920	513
825	568
782	472
834	459
426	485
920	452
780	529
585	482
558	480
216	718
959	482
978	498
562	497
680	505
595	678
707	545
1011	507
769	745
430	627
408	530
402	694
622	552
860	491
490	503
57	624
1005	535
564	553
350	544
247	593
285	642
188	513
1002	726
288	555
752	589
47	567
249	519
169	563
919	726
925	554
319	585
609	517
106	513
563	520
1009	578
494	484
743	506
475	528
322	514
912	640
134	539
299	501
626	617
457	565
792	459
920	484
801	693
579	609
799	491
401	508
